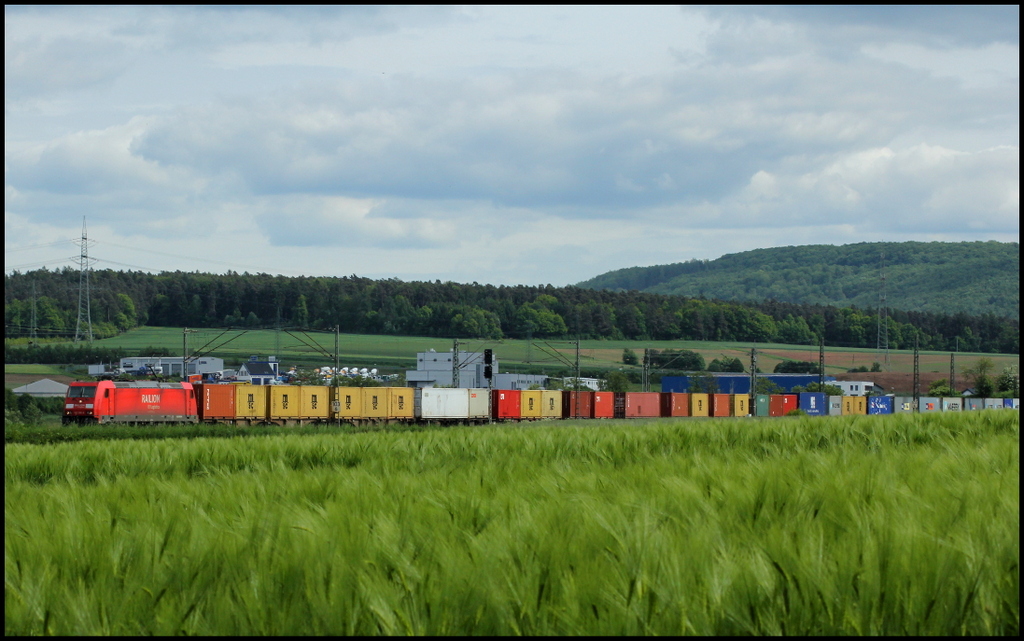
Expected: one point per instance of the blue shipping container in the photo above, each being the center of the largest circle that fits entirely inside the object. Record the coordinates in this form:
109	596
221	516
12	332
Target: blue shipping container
880	405
813	403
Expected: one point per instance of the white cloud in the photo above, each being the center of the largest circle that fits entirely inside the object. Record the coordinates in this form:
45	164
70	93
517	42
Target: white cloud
503	144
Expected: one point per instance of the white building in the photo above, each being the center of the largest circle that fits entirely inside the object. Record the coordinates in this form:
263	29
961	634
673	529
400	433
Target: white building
258	372
589	383
855	388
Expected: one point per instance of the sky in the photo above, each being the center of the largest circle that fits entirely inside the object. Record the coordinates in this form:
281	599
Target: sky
500	145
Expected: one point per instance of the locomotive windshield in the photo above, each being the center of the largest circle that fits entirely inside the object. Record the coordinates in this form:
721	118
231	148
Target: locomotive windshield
83	391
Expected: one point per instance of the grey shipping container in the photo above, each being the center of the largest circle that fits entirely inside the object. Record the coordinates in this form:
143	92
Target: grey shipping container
835	405
903	404
974	403
479	404
952	403
929	404
993	404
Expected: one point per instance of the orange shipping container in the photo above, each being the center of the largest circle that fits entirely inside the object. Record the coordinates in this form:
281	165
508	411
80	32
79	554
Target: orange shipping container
720	405
675	404
577	404
604	405
216	402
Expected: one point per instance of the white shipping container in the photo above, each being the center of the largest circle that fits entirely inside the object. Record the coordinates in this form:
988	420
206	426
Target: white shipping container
835	405
435	403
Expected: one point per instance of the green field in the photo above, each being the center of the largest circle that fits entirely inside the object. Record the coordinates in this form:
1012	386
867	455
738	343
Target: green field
34	369
867	525
392	354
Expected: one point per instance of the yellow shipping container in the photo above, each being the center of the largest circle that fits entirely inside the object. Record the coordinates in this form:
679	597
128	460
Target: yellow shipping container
251	402
855	405
699	404
315	402
400	402
740	405
530	403
349	402
375	402
551	404
285	402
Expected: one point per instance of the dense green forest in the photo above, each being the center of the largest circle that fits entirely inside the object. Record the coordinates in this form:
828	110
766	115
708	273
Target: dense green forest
121	300
970	277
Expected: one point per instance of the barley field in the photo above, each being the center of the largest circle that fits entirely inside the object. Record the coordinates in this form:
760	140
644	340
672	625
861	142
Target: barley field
867	525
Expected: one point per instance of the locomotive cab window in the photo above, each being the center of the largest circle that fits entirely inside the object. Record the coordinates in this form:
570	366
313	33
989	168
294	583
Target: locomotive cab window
85	391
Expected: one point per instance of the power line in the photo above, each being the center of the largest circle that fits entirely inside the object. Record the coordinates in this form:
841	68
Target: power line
39	245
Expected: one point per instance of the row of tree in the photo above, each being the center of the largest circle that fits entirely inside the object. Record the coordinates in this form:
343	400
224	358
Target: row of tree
121	300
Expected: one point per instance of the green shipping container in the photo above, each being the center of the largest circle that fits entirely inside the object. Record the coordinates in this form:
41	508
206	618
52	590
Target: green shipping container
761	405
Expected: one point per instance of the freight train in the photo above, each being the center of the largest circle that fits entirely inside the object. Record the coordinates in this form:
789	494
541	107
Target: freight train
243	404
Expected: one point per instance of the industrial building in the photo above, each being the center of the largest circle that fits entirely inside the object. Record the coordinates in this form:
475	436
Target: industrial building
434	369
171	365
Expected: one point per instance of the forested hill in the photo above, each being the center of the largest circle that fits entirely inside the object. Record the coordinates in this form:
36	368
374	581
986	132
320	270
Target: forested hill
45	304
970	277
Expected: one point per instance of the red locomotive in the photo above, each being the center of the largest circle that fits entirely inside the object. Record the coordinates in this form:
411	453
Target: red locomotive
130	402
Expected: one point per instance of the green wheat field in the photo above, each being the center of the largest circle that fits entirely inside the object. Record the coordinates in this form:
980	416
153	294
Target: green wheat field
866	525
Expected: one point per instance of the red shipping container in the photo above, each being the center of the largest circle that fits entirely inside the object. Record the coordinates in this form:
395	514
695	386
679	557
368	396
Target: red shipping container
604	405
577	404
215	402
781	404
720	405
506	403
642	404
675	404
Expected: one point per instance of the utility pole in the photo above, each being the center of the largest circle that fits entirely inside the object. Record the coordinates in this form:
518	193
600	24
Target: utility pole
184	352
647	370
753	376
882	343
952	371
455	362
35	322
577	385
821	364
577	361
917	375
